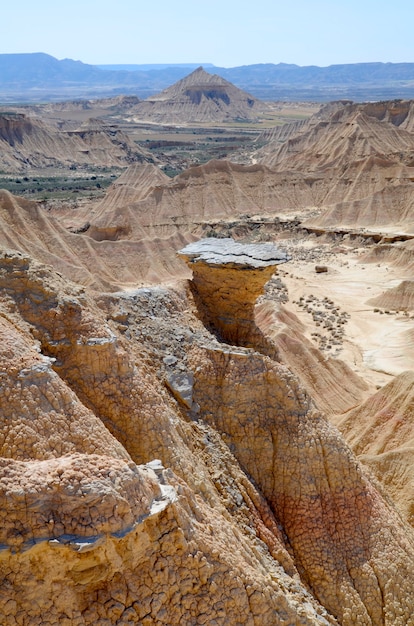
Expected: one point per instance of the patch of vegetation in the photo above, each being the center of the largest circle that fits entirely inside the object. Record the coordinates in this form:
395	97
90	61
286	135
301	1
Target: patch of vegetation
10	114
171	171
62	187
184	148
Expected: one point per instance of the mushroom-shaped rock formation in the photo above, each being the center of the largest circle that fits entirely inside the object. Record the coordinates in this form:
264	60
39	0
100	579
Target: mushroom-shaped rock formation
228	277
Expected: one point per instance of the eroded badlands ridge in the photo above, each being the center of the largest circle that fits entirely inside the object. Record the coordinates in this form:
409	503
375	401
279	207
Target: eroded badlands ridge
28	142
164	457
262	515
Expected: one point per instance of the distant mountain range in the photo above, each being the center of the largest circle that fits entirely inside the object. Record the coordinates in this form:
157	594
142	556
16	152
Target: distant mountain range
39	76
147	67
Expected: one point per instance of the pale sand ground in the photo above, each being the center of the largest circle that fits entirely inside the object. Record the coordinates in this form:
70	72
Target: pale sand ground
376	346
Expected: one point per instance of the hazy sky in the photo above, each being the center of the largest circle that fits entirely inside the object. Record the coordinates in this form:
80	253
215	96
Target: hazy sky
224	32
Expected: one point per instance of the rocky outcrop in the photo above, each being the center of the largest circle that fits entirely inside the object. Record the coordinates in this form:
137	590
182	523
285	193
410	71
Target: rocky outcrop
343	534
263	514
41	417
87	536
76	499
93	538
332	515
169	569
330	512
228	277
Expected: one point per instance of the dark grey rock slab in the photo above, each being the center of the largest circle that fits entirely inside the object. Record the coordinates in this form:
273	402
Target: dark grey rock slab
215	251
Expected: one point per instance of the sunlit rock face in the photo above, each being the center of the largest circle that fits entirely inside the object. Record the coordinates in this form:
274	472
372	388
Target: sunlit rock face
93	529
331	513
343	534
257	512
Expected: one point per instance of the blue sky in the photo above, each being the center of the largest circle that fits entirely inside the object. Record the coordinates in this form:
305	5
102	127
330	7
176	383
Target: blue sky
226	33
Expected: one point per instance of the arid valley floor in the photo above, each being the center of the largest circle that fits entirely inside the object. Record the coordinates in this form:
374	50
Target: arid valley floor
212	433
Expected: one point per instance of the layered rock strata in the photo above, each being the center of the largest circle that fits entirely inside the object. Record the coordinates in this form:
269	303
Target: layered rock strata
228	277
29	142
342	532
94	531
87	535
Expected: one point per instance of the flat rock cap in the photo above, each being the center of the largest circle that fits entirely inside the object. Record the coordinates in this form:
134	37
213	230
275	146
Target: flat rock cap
214	251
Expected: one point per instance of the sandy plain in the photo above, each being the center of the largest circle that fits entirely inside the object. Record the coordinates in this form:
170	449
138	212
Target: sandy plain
375	343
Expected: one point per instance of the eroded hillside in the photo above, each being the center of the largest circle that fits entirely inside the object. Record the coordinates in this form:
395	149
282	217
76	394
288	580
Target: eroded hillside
169	444
28	142
200	98
108	397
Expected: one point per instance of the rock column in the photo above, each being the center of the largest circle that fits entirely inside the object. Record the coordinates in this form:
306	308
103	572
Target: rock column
228	277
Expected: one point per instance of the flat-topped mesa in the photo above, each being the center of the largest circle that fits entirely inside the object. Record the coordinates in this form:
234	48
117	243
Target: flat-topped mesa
228	277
